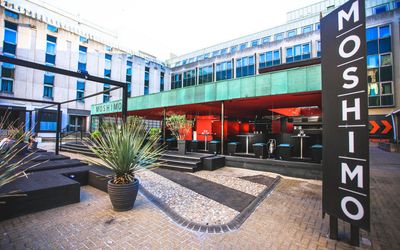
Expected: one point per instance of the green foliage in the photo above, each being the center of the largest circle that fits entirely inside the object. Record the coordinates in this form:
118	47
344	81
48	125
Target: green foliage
154	134
125	150
9	166
96	134
179	126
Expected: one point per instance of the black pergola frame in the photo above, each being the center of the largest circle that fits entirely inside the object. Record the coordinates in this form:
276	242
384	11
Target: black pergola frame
81	75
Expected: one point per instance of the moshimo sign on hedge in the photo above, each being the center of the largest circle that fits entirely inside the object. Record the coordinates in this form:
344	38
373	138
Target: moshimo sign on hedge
345	115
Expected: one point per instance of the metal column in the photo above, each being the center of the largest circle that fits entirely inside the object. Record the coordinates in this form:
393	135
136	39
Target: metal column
163	126
58	131
124	103
222	127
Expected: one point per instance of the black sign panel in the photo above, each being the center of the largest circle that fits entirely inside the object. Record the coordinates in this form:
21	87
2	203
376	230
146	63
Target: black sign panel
345	115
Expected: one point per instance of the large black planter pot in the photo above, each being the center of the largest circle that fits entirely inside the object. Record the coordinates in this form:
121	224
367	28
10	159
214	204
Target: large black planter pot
123	196
182	147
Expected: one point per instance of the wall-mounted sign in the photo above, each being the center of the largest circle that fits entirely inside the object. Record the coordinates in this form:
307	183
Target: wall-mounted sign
106	108
345	115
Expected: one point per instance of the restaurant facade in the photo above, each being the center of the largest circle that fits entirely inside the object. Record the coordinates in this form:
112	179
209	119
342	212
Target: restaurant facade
267	87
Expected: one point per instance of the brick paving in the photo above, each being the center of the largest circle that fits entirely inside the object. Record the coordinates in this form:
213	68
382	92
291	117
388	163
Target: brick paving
290	218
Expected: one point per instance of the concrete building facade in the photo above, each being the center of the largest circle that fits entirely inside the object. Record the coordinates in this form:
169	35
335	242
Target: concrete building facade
39	33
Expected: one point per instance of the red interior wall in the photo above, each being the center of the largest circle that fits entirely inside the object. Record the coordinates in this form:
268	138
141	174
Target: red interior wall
204	123
289	127
276	126
244	128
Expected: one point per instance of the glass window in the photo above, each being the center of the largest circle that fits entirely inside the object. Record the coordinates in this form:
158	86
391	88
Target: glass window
385	45
397	5
50	48
176	81
161	81
291	33
201	57
254	43
373	61
49	78
189	78
317	26
384	31
245	66
80	89
146	80
386	60
386	74
372	33
289	55
52	28
373	89
307	29
206	74
83	39
243	46
266	39
318	48
7	72
387	88
373	75
223	51
11	14
224	70
381	9
48	91
278	37
215	53
10	36
372	47
47	120
7	85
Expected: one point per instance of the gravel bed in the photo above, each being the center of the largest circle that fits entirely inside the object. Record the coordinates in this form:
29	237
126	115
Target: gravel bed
187	203
229	181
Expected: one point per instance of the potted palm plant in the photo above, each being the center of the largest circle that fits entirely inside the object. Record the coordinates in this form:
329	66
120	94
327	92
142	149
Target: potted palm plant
179	127
125	150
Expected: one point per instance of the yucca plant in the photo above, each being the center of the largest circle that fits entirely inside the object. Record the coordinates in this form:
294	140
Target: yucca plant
125	150
9	164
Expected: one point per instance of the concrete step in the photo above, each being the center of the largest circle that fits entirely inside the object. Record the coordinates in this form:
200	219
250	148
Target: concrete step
181	168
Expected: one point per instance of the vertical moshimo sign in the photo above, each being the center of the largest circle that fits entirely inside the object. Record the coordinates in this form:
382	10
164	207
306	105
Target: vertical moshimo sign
345	115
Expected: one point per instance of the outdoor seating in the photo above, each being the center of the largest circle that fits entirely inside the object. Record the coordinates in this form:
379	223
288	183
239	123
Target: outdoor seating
194	146
260	150
214	147
213	163
171	143
233	147
284	151
316	153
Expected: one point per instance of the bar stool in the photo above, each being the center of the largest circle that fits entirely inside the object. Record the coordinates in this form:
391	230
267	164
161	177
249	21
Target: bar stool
284	151
194	146
316	153
171	143
260	150
233	147
214	147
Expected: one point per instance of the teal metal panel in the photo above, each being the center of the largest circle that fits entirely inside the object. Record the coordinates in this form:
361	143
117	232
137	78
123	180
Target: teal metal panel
234	88
263	85
248	87
279	83
221	91
199	93
210	92
297	80
314	77
275	83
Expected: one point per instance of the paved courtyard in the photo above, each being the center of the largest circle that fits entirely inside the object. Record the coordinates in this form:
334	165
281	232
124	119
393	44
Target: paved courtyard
290	218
